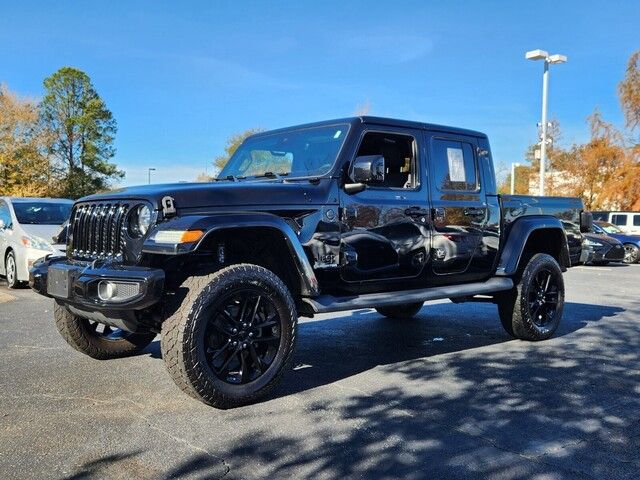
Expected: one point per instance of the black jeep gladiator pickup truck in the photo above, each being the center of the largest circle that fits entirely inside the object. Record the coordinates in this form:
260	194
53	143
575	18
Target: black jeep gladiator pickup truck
355	213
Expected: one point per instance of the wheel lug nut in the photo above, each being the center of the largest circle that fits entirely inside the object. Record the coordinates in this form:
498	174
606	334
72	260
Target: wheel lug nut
235	330
235	343
251	334
244	345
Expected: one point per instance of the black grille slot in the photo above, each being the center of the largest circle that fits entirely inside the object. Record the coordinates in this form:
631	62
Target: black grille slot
98	230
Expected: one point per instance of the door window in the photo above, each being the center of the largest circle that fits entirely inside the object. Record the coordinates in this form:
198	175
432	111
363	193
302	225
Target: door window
454	166
619	219
5	214
399	158
636	220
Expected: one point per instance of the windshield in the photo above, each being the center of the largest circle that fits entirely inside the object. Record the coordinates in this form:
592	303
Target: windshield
609	228
42	213
299	153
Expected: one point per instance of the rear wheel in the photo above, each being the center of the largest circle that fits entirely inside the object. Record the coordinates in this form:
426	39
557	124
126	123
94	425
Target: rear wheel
231	338
98	340
532	310
401	311
631	253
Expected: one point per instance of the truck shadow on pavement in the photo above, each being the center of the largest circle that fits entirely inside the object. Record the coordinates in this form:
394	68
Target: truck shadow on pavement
446	395
333	349
565	408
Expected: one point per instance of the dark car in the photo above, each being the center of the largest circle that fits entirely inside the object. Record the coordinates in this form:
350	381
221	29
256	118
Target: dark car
345	214
603	249
630	242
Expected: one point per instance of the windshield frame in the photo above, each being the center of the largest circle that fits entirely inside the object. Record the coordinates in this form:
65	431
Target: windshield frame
18	206
278	175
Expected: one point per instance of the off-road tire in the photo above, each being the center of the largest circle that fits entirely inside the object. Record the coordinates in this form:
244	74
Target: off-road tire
183	331
400	311
513	306
78	333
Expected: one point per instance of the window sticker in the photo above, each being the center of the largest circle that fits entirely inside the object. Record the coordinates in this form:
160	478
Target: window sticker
456	165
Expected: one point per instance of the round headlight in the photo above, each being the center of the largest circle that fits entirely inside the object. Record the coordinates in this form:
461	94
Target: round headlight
143	220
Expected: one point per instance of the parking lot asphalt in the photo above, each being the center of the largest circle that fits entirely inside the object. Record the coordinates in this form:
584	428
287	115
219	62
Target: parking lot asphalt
445	395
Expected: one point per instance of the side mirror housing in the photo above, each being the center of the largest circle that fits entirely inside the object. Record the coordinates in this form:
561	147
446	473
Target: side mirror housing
368	168
586	222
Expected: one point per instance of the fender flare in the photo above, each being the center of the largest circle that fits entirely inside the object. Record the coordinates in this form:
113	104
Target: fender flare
210	224
518	235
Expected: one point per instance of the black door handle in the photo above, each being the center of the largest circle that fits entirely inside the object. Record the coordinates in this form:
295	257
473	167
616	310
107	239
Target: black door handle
416	212
473	212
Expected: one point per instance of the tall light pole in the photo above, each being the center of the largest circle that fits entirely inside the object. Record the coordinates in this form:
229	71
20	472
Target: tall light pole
513	177
151	170
548	59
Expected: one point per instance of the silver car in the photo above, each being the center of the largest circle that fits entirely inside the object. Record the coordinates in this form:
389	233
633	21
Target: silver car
28	231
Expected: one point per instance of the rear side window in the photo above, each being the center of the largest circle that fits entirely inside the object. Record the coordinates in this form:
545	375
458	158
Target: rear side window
454	165
636	220
619	219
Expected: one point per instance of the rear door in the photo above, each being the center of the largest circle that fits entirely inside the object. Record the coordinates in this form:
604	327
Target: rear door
459	208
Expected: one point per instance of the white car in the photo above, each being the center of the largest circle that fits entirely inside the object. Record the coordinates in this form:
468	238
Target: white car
628	222
28	227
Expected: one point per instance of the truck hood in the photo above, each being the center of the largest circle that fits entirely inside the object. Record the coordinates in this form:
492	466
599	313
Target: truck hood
230	193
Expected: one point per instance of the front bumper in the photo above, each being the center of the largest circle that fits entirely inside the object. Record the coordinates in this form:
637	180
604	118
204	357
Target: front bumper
610	253
81	284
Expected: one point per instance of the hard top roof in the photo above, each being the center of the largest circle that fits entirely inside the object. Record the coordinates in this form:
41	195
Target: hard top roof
382	121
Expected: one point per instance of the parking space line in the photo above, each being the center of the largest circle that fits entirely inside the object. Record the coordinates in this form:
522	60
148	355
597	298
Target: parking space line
594	268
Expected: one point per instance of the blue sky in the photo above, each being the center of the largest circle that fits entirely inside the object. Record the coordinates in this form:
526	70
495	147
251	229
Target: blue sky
180	77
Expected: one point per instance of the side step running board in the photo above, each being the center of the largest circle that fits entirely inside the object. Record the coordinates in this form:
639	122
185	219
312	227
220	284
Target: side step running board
329	303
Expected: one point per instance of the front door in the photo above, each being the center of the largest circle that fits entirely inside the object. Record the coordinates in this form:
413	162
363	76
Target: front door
459	208
385	228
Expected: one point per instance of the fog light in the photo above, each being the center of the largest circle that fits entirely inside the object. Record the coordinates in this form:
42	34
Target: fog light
107	290
110	291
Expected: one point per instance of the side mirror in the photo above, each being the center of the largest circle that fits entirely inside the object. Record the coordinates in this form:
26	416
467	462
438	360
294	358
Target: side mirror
368	168
586	222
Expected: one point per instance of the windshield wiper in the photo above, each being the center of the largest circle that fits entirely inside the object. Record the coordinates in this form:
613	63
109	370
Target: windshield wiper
272	175
230	178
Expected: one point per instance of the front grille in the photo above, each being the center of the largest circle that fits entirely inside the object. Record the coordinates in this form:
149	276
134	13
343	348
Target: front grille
97	230
615	253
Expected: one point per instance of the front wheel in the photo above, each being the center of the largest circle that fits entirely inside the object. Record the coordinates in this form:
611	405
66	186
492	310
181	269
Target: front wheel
533	309
11	270
631	253
231	335
98	340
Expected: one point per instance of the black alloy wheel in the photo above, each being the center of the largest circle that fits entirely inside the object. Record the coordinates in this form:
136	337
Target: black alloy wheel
229	336
106	332
242	336
532	310
98	340
543	298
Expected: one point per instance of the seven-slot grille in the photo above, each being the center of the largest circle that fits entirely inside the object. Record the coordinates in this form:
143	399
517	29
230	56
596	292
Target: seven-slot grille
97	230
